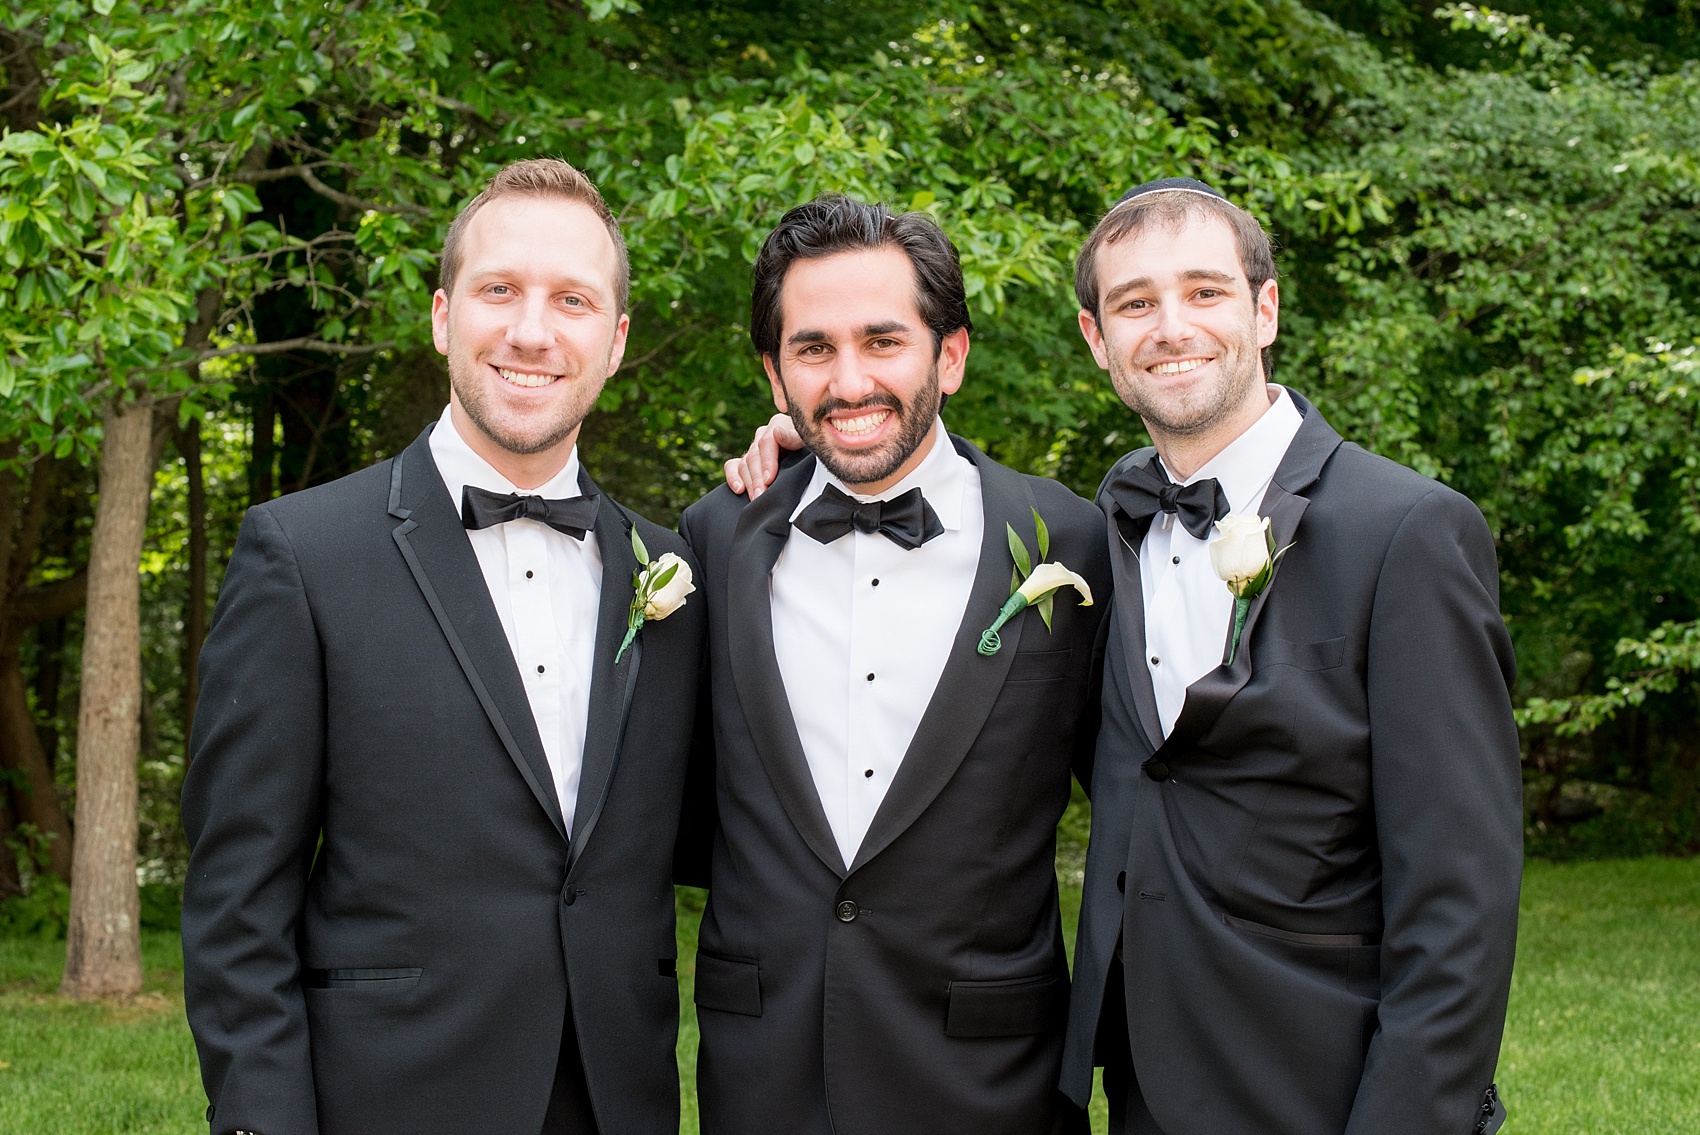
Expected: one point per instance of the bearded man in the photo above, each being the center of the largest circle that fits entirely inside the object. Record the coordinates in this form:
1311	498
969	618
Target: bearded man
882	952
434	792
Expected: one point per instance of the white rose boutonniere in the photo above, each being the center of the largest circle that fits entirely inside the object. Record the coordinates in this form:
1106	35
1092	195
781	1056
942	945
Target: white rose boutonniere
1244	556
659	588
1032	586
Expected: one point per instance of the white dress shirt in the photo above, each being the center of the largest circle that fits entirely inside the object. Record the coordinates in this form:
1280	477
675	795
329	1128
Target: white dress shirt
862	629
1188	609
546	587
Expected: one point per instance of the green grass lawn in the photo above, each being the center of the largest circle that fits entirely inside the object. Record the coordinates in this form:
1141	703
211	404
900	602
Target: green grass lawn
1603	1035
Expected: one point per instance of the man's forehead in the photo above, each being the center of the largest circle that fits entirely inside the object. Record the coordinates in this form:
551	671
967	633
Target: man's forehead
851	292
548	230
1168	250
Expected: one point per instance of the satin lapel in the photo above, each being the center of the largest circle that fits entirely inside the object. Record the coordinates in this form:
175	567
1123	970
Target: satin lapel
969	686
611	686
1285	508
434	544
1125	537
759	538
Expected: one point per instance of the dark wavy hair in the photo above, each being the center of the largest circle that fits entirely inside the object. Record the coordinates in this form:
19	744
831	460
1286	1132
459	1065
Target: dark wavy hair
834	223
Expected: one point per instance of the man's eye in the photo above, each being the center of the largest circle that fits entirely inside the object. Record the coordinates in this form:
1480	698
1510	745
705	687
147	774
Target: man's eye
886	344
573	301
1208	293
500	290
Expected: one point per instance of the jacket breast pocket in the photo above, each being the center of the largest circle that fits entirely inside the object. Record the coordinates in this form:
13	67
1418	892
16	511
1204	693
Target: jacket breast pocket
1022	1006
394	980
731	985
1323	655
1038	666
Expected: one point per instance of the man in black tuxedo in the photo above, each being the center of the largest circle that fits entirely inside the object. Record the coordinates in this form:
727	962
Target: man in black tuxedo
432	805
882	952
1301	892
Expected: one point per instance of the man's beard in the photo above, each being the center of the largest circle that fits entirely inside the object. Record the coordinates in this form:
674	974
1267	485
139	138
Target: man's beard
1204	409
914	422
569	413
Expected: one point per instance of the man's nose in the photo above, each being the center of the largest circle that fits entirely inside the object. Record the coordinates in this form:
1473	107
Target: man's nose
1174	326
852	378
529	330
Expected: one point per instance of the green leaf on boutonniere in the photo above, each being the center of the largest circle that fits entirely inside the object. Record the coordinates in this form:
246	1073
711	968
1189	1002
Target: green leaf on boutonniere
1018	552
1044	535
638	549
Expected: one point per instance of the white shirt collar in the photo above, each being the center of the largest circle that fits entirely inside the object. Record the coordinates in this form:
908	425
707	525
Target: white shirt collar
942	477
460	466
1245	468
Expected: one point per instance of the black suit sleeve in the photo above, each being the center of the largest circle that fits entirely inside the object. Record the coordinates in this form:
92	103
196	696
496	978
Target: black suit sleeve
694	850
1448	811
251	813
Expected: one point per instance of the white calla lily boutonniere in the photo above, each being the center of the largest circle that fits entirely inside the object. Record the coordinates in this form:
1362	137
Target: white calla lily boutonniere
1244	556
659	588
1032	586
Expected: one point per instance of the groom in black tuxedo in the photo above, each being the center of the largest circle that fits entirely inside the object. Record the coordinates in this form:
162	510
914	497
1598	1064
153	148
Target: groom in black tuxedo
1301	892
431	807
882	952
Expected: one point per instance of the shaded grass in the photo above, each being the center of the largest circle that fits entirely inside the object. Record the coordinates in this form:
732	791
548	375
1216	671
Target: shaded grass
1603	1035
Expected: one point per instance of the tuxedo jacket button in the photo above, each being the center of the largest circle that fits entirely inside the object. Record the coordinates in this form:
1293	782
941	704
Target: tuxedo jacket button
847	911
1156	770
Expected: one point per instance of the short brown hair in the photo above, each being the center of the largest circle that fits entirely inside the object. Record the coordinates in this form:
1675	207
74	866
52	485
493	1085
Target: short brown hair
537	177
1172	209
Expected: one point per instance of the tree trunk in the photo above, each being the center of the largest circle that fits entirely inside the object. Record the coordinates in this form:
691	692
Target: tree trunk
37	802
195	604
103	956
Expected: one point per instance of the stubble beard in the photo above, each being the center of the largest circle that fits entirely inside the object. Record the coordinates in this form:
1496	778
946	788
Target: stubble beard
1199	411
536	434
914	422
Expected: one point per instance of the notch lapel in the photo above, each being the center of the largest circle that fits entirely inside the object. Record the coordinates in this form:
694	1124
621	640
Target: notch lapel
1285	507
757	541
433	542
1125	537
611	686
970	683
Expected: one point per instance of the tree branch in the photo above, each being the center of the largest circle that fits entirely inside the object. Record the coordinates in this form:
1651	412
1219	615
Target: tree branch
47	601
284	346
305	172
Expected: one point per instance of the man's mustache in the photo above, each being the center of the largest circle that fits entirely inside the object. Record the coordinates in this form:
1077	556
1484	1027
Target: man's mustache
833	405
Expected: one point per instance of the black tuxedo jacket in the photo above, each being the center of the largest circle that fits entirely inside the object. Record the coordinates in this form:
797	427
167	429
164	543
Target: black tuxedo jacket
921	988
1313	881
384	921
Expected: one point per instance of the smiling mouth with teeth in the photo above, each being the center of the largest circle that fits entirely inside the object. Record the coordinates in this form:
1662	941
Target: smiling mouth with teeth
1177	366
520	378
861	424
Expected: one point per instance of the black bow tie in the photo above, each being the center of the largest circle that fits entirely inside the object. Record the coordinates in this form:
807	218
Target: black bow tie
1144	492
480	508
907	521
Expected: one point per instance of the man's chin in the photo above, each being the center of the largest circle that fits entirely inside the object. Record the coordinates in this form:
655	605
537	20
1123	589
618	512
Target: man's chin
855	467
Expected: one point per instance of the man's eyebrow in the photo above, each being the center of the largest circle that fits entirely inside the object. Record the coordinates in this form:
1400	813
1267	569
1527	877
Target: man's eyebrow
1191	275
888	327
805	336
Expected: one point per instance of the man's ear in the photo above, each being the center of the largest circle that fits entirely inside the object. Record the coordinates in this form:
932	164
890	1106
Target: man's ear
1268	312
953	360
1094	337
440	321
780	402
617	352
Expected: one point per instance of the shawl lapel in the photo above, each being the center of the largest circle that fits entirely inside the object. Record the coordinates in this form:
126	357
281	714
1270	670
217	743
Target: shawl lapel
611	686
1125	536
433	542
1285	506
969	685
759	538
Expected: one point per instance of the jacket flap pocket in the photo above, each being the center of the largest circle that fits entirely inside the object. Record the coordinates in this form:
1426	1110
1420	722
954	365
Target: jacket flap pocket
1249	927
731	985
1023	1006
1038	665
374	980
